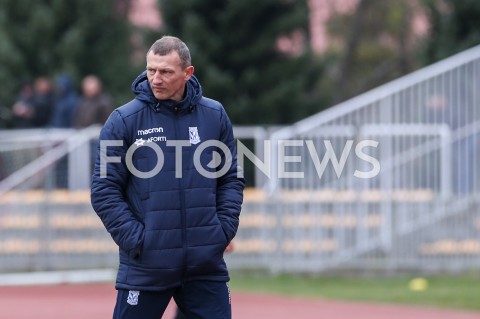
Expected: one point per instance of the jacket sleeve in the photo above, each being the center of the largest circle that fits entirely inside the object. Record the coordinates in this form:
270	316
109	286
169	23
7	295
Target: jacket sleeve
108	188
230	185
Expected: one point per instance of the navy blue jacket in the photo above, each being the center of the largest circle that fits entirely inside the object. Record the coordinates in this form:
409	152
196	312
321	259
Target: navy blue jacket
65	103
169	228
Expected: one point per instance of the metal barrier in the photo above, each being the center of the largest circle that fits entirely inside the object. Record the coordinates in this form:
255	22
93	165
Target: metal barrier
320	213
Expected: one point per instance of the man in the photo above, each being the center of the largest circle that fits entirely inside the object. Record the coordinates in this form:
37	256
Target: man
34	108
66	99
167	189
94	105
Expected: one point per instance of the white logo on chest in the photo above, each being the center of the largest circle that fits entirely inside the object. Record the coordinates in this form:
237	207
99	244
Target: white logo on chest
193	133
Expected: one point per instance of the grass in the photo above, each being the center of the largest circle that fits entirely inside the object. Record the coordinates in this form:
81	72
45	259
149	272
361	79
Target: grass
461	292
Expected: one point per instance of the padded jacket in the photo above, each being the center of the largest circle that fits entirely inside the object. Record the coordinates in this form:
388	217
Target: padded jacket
170	218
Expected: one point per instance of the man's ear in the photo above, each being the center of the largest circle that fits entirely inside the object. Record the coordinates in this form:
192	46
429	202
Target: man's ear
189	72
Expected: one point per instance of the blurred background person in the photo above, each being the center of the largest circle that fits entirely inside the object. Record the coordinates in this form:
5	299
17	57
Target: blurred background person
43	99
22	109
66	100
34	105
94	106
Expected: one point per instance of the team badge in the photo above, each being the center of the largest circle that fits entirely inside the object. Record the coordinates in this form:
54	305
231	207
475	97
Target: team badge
194	137
133	297
139	141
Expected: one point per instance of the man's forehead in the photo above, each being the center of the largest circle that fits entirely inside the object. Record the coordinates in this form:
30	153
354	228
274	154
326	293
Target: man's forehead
164	62
170	57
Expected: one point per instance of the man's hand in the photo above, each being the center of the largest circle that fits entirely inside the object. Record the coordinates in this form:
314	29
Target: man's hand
229	248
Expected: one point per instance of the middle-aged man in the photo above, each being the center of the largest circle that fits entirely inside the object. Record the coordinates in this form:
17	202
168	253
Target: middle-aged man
167	188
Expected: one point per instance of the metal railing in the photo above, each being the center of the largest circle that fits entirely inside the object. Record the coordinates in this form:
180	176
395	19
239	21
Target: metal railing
420	211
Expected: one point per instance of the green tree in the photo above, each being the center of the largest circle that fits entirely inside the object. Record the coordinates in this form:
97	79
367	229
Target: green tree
79	37
454	27
235	51
377	44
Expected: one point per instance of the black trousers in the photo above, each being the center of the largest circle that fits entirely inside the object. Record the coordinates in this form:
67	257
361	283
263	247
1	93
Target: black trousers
195	299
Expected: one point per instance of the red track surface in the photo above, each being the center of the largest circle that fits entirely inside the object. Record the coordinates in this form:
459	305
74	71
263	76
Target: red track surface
96	302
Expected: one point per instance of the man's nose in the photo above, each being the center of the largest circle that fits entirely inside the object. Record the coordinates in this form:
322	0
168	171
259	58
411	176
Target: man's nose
157	77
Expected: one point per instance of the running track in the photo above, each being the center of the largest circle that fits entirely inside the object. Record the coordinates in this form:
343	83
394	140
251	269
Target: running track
95	301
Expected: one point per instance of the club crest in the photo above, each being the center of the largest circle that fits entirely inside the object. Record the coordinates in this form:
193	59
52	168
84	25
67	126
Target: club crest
193	133
133	297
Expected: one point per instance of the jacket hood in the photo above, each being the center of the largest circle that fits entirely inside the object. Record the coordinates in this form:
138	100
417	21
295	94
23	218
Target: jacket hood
65	84
141	88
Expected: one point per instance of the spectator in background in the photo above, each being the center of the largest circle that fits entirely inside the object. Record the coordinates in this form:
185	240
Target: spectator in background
66	99
42	101
94	106
22	109
34	109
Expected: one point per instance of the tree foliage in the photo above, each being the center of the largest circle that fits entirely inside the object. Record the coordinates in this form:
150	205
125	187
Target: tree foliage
79	37
454	26
377	44
378	41
234	46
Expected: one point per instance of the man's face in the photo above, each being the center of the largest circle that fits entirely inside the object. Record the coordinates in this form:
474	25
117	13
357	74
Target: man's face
166	76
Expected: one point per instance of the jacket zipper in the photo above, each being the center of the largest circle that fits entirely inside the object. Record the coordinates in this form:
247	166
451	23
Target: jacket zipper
183	212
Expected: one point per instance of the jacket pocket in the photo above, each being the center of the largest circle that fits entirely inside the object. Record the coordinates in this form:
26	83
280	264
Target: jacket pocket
222	231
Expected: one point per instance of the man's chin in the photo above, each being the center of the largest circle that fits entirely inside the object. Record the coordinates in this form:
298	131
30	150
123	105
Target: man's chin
160	96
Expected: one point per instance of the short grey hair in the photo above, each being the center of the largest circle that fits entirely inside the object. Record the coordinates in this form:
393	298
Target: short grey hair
167	44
